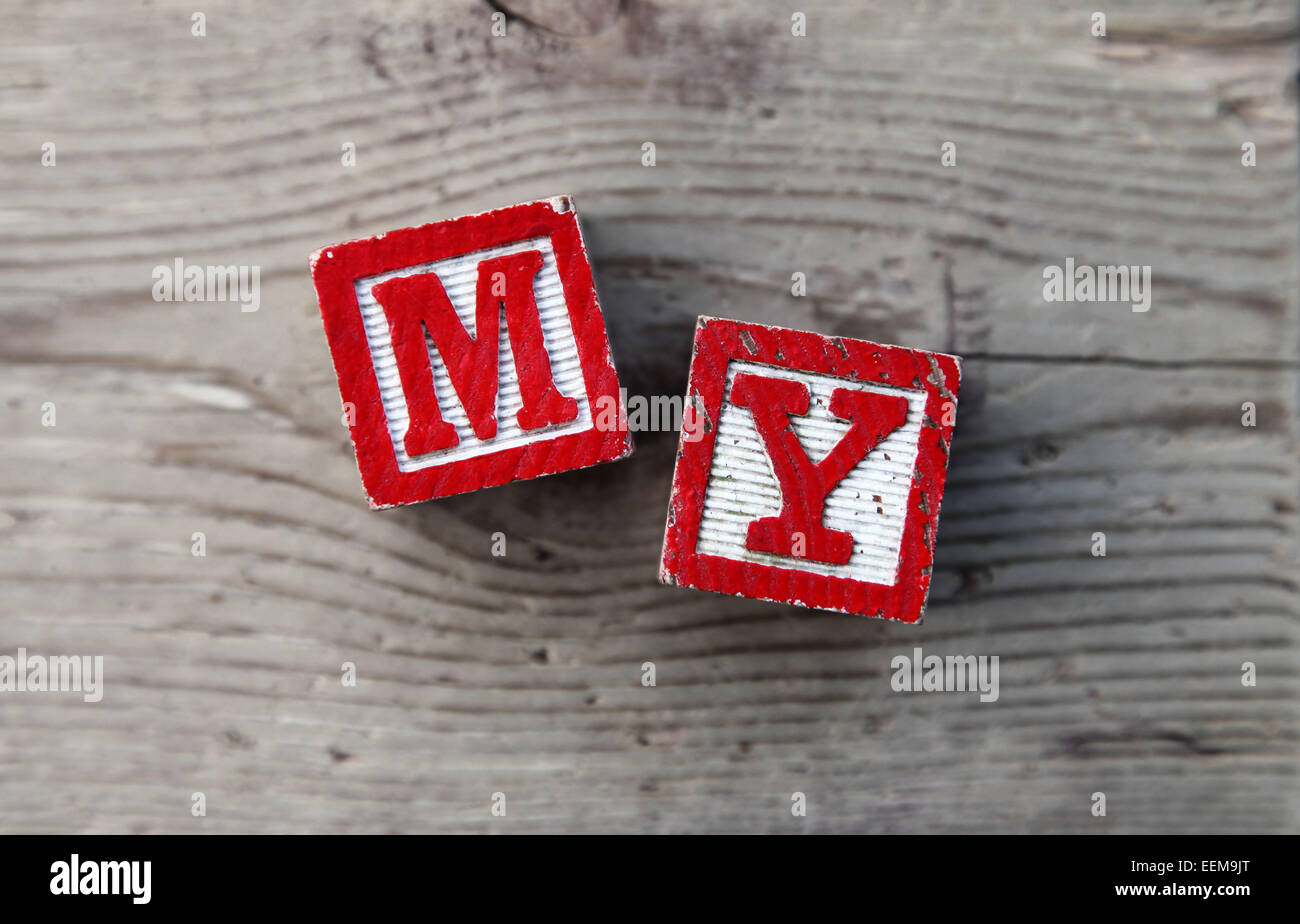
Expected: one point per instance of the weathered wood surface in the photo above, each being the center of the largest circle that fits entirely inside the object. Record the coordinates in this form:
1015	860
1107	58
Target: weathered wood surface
775	154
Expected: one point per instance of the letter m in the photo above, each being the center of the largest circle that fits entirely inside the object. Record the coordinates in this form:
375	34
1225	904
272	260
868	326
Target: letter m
417	306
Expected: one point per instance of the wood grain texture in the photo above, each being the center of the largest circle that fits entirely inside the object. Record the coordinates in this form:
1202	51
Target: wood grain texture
521	674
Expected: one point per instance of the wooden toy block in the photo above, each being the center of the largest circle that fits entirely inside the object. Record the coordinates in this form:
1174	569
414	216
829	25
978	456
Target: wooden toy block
819	473
470	352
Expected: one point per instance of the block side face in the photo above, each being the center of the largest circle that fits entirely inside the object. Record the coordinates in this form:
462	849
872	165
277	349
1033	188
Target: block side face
887	501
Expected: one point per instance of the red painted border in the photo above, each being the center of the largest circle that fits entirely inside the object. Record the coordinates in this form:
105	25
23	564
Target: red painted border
717	341
334	272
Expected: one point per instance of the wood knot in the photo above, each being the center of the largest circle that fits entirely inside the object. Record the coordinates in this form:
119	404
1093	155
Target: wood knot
568	18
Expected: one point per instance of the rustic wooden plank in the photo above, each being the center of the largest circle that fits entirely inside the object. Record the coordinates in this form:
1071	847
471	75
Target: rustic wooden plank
1121	671
523	674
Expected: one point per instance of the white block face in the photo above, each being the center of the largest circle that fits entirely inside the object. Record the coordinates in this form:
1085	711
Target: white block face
459	276
870	503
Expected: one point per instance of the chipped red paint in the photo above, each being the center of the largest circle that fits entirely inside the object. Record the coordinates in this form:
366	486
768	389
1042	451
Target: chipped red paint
335	270
719	341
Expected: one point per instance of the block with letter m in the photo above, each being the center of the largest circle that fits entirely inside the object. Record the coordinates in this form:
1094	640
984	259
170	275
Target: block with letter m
470	353
819	476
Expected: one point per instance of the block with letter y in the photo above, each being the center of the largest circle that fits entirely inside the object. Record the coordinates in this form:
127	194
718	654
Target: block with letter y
470	353
818	479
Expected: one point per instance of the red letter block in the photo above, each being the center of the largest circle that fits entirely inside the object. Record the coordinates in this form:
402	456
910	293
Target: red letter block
471	352
819	473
